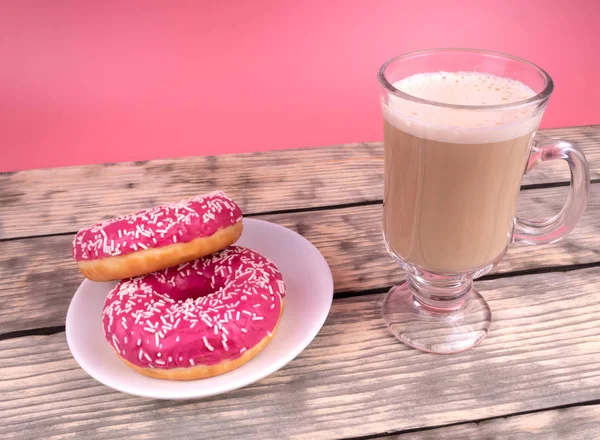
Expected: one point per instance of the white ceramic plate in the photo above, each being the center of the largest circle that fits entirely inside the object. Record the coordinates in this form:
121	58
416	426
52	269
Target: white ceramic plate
308	300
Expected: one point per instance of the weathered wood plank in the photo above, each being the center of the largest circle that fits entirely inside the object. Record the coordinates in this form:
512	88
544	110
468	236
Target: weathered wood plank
38	277
355	379
65	199
575	423
52	201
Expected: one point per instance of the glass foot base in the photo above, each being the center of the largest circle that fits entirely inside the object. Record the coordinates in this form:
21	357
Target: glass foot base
434	329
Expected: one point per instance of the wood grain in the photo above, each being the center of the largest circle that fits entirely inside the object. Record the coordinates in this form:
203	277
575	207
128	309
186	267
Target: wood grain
354	379
576	423
60	200
65	199
38	277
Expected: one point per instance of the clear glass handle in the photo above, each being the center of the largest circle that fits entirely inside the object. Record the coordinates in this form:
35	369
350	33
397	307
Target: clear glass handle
552	230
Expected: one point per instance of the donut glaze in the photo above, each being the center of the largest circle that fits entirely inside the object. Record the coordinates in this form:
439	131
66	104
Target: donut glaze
198	313
179	222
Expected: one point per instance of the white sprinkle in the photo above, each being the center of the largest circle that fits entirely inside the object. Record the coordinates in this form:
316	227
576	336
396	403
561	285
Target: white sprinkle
148	358
156	339
174	238
140	354
246	312
192	363
210	348
160	362
149	329
159	354
207	322
225	345
243	349
243	330
177	339
256	305
272	306
269	333
265	297
237	316
139	342
180	358
125	339
170	359
224	337
257	318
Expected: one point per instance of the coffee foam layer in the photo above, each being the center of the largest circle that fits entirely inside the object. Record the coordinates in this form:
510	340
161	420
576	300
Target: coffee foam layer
468	126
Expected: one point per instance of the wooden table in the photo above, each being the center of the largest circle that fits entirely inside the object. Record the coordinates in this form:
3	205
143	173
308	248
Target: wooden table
537	373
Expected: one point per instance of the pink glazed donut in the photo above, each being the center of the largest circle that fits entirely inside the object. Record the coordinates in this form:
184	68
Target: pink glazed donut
157	238
196	320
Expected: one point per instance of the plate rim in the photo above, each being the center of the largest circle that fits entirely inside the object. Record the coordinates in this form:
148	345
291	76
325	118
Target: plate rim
278	363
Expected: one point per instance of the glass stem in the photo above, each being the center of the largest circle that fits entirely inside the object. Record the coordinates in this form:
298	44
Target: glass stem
439	294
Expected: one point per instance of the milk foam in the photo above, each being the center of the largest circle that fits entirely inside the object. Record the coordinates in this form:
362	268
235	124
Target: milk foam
469	126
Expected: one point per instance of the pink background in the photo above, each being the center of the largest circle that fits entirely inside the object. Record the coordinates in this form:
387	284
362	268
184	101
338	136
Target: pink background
88	82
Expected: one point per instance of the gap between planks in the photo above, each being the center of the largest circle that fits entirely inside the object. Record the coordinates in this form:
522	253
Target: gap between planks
403	434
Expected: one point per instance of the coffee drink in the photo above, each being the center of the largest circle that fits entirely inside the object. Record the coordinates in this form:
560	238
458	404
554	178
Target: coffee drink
452	173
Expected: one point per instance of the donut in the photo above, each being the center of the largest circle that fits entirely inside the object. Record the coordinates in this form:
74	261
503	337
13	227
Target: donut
198	319
156	238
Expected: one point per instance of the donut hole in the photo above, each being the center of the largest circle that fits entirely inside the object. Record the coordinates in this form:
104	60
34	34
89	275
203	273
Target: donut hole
188	288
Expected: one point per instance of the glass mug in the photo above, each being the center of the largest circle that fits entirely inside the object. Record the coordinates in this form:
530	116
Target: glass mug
459	127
